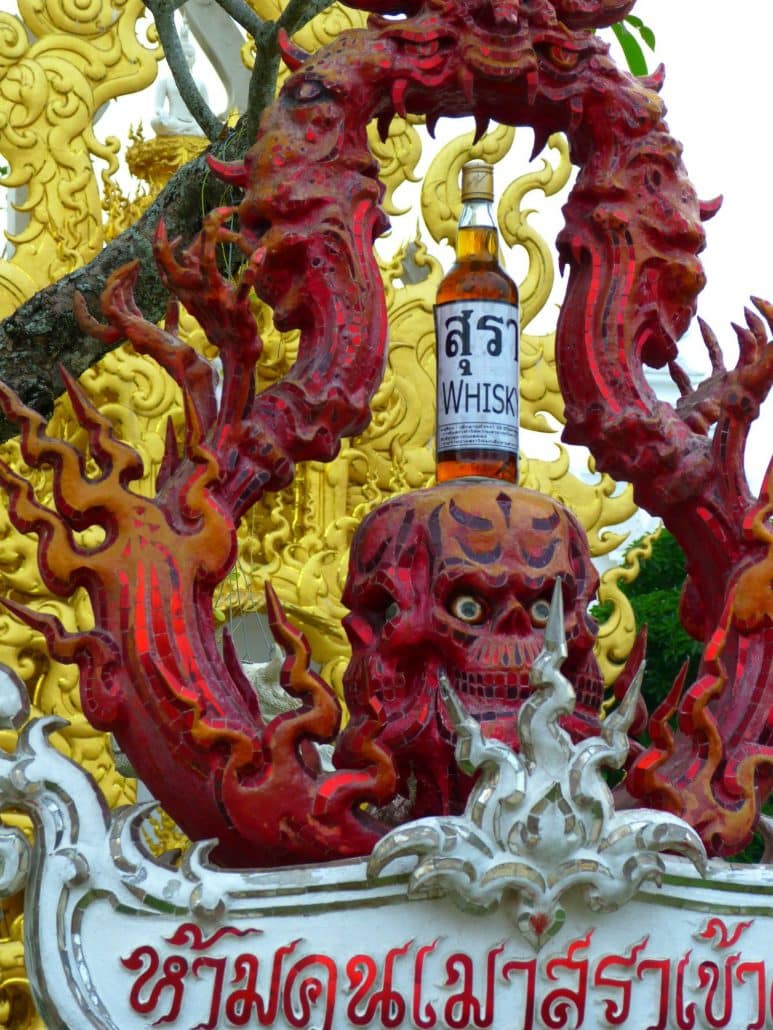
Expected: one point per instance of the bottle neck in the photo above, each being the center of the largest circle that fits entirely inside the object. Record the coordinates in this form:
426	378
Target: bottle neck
477	238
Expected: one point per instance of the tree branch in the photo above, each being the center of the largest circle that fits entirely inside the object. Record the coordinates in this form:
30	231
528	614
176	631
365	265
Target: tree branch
42	333
299	13
163	15
243	15
264	73
263	78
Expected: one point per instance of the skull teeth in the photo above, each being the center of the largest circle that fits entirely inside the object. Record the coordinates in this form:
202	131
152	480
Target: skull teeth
498	686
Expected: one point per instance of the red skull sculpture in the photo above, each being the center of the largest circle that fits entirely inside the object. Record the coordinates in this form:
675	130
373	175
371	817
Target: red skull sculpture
459	577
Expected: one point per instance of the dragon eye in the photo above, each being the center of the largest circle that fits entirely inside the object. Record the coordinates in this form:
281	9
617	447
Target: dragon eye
468	609
540	612
306	90
563	59
391	610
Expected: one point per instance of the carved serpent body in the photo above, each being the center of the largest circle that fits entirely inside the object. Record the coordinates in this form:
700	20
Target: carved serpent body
151	671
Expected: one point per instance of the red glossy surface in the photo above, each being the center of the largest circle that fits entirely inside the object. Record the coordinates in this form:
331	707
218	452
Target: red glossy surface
151	672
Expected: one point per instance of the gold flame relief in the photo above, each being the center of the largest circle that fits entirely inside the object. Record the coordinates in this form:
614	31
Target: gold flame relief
56	72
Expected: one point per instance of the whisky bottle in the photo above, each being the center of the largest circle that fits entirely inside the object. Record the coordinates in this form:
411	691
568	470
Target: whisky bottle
477	333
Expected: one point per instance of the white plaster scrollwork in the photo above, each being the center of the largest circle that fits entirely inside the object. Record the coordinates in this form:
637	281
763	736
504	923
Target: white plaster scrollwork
118	939
542	822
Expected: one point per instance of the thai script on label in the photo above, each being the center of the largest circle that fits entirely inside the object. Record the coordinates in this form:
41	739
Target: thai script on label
477	375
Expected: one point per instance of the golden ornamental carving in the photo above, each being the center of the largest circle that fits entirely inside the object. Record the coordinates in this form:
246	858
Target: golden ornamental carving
300	537
309	531
441	197
52	88
153	162
329	24
398	156
513	219
17	1010
620	626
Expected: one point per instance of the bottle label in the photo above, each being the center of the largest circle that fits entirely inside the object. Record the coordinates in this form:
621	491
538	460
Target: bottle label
477	375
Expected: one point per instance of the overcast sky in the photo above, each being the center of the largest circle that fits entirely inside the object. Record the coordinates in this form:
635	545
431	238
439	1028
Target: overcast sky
719	62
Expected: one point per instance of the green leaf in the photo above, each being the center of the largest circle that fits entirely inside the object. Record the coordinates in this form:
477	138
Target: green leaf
654	597
634	55
646	33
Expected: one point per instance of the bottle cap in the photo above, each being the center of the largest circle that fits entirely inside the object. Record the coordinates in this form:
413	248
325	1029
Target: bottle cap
477	181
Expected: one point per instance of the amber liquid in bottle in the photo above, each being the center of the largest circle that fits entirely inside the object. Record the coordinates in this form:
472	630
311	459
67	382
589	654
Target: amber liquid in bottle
472	385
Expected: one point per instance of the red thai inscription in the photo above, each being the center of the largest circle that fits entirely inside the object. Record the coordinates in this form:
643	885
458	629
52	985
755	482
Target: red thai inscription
464	1009
557	1006
414	985
169	985
616	1011
218	966
363	974
756	969
302	991
718	1013
684	1013
423	1016
241	1002
529	967
662	967
725	936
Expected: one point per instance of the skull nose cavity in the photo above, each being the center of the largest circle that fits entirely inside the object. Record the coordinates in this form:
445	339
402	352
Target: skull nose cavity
514	620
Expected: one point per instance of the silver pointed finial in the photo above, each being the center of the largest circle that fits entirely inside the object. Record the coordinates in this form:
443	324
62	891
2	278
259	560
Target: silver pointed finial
450	700
555	637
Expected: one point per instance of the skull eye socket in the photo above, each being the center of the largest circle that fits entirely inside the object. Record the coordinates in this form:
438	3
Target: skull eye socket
467	608
378	607
540	612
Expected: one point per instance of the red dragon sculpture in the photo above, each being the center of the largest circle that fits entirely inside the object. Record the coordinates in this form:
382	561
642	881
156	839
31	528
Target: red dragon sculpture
151	672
